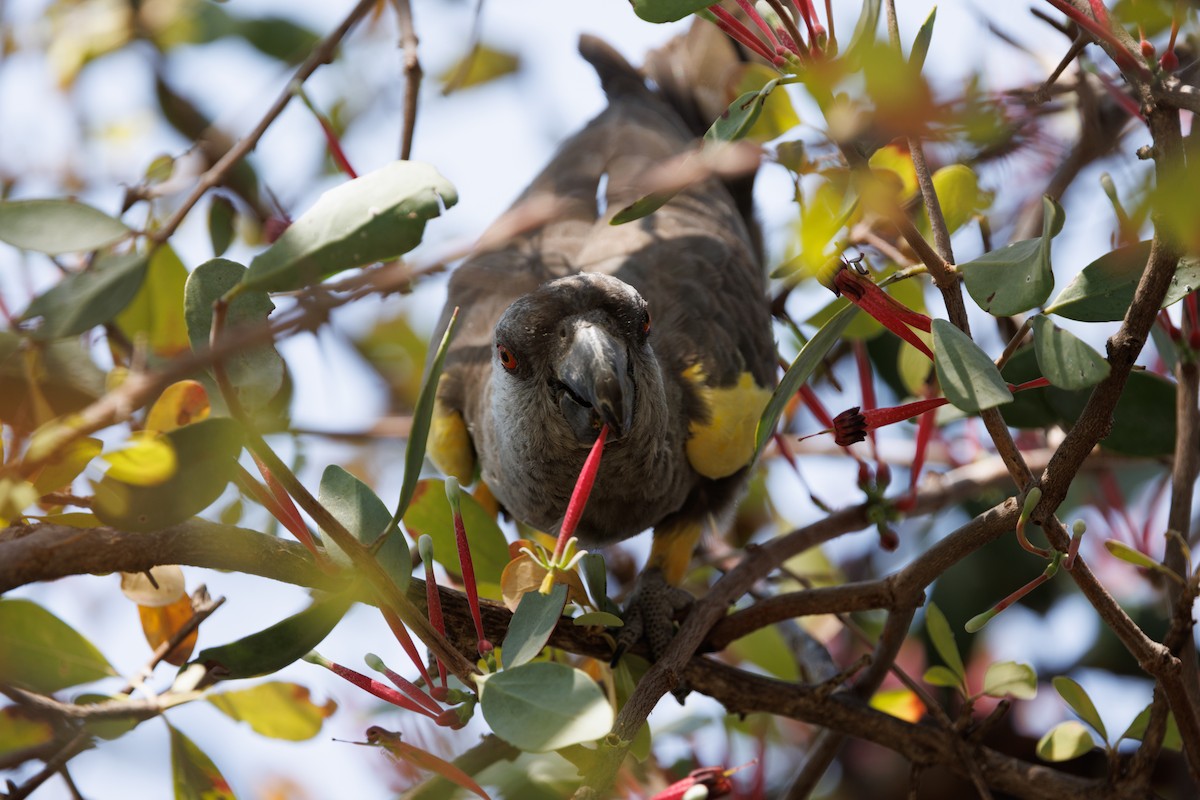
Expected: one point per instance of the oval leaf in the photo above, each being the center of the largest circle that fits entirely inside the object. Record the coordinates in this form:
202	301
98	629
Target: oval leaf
737	120
667	10
206	453
278	710
193	773
544	706
429	513
1017	277
1066	360
40	652
1137	729
602	618
57	226
1080	703
181	403
83	300
1065	741
937	675
1103	291
376	217
256	372
1139	559
943	640
531	625
1010	679
353	504
390	742
275	647
968	378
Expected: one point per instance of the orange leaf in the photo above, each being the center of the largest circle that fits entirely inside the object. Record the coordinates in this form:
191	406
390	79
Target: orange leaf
160	623
523	574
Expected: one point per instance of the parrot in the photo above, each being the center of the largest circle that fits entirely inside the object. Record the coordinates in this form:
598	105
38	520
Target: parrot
659	329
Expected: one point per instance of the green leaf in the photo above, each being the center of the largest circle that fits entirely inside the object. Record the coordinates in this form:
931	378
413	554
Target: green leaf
737	120
66	465
1017	277
57	226
1066	360
767	649
429	513
531	625
543	706
376	217
22	729
193	773
778	114
1065	741
591	618
156	311
1137	730
107	729
968	378
41	653
809	357
277	37
1103	291
221	216
483	64
667	10
278	710
418	437
864	31
937	675
942	637
352	503
256	372
1080	703
642	207
1010	679
206	455
920	48
83	300
1139	559
285	642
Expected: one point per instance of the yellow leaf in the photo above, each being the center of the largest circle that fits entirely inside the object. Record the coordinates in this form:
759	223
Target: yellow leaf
778	116
15	497
63	468
147	460
481	65
166	587
901	703
958	192
896	162
180	404
156	311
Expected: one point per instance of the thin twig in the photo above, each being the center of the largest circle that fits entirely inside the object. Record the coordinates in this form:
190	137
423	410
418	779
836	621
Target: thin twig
412	74
321	54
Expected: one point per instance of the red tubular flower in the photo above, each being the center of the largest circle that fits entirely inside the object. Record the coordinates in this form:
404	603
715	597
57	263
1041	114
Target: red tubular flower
467	566
579	496
891	313
380	690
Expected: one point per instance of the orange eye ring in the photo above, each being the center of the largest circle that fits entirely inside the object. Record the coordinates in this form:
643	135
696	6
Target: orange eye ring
507	359
646	325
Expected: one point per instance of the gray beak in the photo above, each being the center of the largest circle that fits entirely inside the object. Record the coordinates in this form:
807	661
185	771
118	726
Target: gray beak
598	389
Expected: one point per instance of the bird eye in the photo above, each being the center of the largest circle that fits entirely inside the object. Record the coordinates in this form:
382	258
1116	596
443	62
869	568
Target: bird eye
507	359
646	325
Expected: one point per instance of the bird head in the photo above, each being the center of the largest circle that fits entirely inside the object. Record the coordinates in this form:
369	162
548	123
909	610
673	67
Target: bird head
569	356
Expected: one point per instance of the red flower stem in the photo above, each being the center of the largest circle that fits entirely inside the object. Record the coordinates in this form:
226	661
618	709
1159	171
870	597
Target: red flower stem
406	642
434	600
1019	593
866	384
809	13
757	19
579	496
1099	11
829	19
331	137
409	688
380	690
272	497
815	406
1123	57
468	567
924	433
881	417
739	32
1164	320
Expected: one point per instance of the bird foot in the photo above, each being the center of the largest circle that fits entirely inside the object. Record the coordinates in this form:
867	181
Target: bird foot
650	614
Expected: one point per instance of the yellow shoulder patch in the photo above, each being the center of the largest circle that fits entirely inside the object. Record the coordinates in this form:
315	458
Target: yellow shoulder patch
725	443
450	447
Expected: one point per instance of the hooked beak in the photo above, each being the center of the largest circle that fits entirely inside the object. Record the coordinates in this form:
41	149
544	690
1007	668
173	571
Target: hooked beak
597	387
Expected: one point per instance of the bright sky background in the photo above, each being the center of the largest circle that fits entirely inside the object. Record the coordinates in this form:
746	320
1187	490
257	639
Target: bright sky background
488	141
